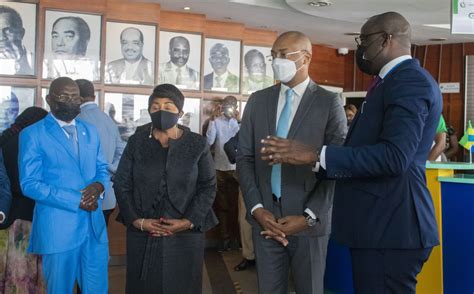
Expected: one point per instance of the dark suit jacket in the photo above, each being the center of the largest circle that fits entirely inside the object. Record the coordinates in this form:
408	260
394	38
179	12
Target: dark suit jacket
231	83
190	179
231	147
381	198
5	192
319	120
144	74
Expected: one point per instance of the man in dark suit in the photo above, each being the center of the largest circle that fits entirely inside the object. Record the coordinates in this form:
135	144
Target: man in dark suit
133	68
382	208
290	210
221	79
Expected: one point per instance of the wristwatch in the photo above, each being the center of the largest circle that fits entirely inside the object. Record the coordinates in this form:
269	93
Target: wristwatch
310	222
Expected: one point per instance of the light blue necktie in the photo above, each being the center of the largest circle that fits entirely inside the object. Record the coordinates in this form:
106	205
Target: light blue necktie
283	127
71	131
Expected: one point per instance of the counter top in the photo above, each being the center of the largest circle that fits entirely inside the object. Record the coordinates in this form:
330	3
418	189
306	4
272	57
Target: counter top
449	165
458	178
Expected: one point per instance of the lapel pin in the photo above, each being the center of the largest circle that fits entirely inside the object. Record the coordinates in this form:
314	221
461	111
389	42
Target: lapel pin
83	133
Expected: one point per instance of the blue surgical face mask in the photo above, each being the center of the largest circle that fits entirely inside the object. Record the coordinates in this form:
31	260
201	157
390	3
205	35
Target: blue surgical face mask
285	69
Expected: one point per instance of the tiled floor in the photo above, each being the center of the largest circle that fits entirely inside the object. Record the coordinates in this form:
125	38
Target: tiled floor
239	282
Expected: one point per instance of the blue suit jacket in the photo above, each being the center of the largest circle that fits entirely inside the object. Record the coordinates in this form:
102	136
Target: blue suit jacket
5	192
110	141
52	175
381	199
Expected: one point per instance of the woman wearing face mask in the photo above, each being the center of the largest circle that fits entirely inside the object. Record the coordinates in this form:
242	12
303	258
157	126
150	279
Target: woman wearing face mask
165	186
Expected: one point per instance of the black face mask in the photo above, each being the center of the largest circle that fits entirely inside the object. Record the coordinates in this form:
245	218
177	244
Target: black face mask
164	120
65	111
366	65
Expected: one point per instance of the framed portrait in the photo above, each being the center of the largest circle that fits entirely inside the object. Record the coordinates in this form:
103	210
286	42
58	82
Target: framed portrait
192	111
128	111
222	65
257	72
180	60
130	54
18	50
45	91
72	45
13	100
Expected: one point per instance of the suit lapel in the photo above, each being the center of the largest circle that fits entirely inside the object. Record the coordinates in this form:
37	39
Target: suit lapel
82	141
303	109
57	133
272	108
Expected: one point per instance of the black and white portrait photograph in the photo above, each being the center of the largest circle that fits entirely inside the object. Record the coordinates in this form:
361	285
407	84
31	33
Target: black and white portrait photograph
128	111
257	70
222	65
130	53
18	41
72	45
191	114
180	60
13	100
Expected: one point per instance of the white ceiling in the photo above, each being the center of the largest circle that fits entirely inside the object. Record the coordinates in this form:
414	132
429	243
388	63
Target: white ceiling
325	25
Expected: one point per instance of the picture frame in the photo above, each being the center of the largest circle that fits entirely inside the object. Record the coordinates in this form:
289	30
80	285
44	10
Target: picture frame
72	45
222	65
13	100
130	53
18	55
191	114
180	60
257	72
128	111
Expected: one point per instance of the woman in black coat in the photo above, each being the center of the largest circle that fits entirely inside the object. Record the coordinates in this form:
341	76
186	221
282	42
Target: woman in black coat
165	186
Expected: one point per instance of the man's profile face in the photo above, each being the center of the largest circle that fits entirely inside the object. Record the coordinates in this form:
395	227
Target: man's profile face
65	39
9	33
257	68
132	46
219	60
179	52
10	109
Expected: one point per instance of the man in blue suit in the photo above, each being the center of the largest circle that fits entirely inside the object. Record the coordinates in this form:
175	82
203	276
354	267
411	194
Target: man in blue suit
382	208
62	168
110	140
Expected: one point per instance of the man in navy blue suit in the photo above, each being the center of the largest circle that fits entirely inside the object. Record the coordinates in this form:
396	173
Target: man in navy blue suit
382	208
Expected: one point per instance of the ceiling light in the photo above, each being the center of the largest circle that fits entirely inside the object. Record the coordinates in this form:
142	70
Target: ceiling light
439	26
352	34
438	39
320	3
187	8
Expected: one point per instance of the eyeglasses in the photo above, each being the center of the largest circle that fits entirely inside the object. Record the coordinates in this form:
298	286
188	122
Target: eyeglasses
362	37
67	98
283	55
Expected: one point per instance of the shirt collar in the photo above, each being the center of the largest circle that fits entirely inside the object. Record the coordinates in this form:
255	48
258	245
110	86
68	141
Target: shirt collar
63	123
133	63
298	89
87	103
392	64
222	76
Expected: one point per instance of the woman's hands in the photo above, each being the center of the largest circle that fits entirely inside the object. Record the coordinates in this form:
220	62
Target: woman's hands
162	227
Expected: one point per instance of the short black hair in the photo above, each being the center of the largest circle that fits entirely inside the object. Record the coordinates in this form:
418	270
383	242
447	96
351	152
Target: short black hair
86	88
83	30
167	91
16	18
249	55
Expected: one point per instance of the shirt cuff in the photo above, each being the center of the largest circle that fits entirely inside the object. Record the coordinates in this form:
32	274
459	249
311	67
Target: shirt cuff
311	214
3	217
322	157
259	205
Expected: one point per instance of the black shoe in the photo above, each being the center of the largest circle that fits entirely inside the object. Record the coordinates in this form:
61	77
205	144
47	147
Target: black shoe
224	245
244	264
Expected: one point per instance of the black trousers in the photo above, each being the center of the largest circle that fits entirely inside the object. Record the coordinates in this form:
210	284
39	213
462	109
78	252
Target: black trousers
384	271
226	205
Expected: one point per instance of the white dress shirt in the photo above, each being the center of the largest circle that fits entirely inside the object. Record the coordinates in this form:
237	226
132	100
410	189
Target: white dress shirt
386	69
63	123
296	100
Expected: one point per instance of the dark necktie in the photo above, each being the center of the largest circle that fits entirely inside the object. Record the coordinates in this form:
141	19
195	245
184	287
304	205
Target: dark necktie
373	85
72	138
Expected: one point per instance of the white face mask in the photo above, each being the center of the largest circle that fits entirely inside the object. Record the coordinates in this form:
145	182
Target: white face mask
285	69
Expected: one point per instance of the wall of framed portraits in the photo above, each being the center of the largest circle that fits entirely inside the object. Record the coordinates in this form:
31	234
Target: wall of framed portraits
126	48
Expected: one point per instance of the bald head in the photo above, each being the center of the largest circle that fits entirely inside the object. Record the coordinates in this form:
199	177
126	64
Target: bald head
393	24
299	40
60	84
